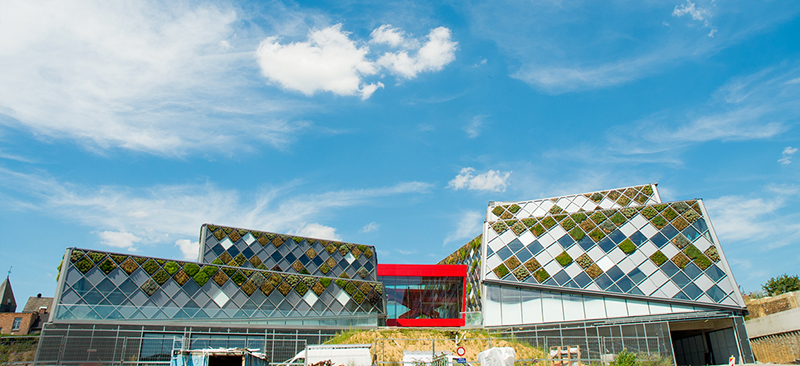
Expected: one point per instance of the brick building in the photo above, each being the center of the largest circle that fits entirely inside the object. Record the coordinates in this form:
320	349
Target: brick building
35	313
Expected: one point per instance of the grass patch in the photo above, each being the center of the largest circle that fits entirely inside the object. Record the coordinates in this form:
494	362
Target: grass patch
501	271
597	235
584	261
577	234
541	275
680	260
514	208
658	258
548	222
499	227
627	246
564	259
594	271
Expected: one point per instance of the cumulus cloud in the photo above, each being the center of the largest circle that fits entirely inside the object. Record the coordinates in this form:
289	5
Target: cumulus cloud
368	228
739	218
786	157
494	181
468	226
330	61
119	239
176	212
189	249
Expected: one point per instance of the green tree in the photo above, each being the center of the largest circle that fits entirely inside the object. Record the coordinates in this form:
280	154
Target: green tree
781	285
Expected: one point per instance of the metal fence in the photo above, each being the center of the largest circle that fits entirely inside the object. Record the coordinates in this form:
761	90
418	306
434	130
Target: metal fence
547	350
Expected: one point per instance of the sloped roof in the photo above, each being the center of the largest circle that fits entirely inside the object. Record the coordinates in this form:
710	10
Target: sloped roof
35	303
7	302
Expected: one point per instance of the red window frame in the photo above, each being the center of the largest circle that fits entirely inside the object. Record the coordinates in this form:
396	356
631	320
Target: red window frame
428	270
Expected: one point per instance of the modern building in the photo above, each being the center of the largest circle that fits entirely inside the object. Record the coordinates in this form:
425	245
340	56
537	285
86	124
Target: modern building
596	268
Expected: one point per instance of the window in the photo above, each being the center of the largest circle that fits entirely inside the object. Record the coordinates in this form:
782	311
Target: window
17	322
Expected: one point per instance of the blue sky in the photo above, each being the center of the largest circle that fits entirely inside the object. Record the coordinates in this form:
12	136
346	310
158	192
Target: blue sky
124	127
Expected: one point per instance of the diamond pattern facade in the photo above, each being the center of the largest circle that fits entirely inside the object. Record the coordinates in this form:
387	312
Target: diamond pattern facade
99	286
622	243
286	253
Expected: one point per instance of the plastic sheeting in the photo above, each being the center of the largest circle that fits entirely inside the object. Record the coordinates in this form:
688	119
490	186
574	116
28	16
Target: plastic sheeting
497	356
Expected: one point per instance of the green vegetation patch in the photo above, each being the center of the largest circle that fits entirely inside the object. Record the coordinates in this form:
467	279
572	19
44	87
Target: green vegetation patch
577	234
584	261
597	235
191	269
568	224
500	271
240	259
624	201
703	262
96	257
648	190
151	267
171	268
538	230
532	265
594	270
660	206
541	275
628	212
556	210
598	217
363	272
75	255
680	260
596	197
514	208
658	258
324	268
712	253
627	246
618	219
84	265
518	228
649	212
161	276
614	195
499	227
325	282
229	271
118	258
521	273
680	223
512	262
529	221
691	215
607	226
301	288
564	259
578	217
498	210
350	288
548	222
238	278
669	214
659	221
107	265
680	241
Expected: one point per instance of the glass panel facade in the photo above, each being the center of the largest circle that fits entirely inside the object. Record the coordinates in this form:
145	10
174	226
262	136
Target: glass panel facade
100	287
423	292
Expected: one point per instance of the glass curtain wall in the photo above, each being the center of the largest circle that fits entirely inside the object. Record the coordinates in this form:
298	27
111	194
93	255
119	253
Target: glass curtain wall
415	297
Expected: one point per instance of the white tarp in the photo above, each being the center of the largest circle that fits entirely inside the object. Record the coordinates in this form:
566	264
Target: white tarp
497	356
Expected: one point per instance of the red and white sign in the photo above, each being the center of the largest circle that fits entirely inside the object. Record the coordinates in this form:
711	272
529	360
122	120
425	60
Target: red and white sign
731	361
461	351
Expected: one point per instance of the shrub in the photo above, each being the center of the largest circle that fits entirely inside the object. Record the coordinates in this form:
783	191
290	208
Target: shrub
499	227
596	197
150	266
781	284
229	271
171	267
568	224
324	268
584	261
506	215
501	271
514	208
191	269
660	207
76	254
669	214
325	282
292	280
691	215
96	257
594	270
627	246
541	275
129	265
564	259
692	252
350	288
613	195
624	201
275	279
577	234
200	278
358	297
210	270
84	265
107	265
628	211
658	258
118	258
578	217
301	288
161	276
240	259
297	239
548	222
344	275
624	358
529	221
238	278
702	262
556	210
498	210
648	190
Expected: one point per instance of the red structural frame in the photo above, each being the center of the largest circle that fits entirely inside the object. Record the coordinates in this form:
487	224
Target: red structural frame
428	270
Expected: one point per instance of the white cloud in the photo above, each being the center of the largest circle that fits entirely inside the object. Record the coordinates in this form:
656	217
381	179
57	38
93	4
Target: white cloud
119	239
371	227
696	13
329	61
494	181
163	78
189	249
317	231
787	155
473	128
738	218
437	52
177	212
469	225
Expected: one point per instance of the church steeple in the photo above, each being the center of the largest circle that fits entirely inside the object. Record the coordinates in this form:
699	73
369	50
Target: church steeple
7	302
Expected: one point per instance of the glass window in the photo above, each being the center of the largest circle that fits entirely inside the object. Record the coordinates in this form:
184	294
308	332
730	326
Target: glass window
512	310
492	310
573	307
638	308
551	307
531	306
595	307
615	307
16	324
